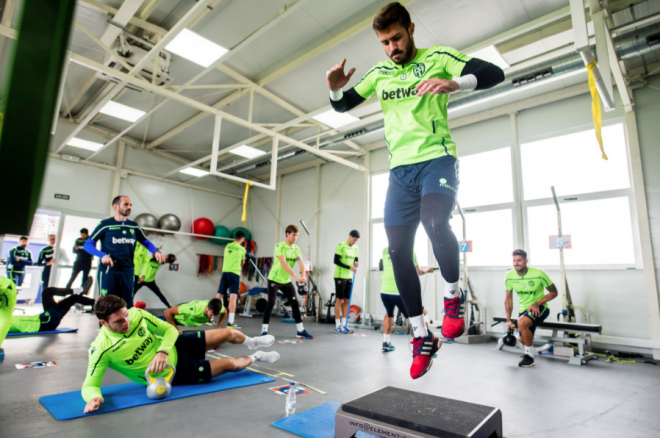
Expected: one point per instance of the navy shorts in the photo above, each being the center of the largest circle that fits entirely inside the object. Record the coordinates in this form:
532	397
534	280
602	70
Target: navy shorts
50	320
391	301
536	320
191	365
410	183
343	288
229	281
111	282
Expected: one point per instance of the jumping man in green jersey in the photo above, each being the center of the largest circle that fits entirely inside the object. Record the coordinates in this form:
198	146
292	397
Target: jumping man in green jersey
346	264
231	275
130	341
47	259
196	313
413	88
528	283
389	294
287	253
7	304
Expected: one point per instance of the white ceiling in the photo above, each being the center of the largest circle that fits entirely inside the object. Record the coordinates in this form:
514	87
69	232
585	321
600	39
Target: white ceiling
454	23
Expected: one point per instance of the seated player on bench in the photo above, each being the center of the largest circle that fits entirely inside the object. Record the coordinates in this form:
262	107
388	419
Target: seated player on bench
389	294
54	311
132	340
533	309
196	313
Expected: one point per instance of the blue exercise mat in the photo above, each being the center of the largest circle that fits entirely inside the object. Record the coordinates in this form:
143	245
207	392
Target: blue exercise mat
50	332
318	422
70	405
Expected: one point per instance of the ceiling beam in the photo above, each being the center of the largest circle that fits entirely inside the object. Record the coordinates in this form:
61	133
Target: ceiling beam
164	41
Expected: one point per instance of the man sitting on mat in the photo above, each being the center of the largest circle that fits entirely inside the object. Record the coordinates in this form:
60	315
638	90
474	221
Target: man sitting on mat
132	340
389	294
54	311
528	283
196	313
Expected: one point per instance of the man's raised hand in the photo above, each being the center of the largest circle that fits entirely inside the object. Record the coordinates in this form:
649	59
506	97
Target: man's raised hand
336	77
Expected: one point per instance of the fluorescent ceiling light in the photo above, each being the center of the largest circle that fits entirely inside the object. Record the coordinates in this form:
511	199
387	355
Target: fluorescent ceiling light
492	55
84	144
335	119
247	151
194	172
123	112
195	48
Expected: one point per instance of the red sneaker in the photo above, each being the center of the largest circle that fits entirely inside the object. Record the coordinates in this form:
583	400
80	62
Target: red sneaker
423	351
453	324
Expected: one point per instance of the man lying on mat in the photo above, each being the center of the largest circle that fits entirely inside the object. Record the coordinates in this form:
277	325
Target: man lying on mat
54	311
130	341
196	313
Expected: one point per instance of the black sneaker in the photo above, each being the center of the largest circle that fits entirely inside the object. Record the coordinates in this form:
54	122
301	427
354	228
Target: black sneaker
87	285
526	362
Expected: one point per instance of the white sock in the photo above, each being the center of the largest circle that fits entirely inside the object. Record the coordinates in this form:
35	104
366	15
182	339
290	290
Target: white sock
426	319
231	318
77	290
386	338
451	290
338	322
343	322
249	342
419	328
264	328
529	351
253	357
300	327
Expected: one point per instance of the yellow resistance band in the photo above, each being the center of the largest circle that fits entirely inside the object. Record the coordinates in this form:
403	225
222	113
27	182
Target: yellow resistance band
595	106
247	188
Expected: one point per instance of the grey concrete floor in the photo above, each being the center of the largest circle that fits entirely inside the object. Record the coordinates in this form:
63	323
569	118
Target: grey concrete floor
552	399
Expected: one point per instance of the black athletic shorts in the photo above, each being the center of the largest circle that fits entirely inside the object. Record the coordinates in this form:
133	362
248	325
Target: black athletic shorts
191	366
391	301
536	320
343	288
229	282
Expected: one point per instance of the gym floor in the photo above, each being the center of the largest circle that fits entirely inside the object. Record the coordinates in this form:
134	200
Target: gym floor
613	400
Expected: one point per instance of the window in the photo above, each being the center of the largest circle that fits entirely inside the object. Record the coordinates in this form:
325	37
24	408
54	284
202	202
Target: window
601	233
573	164
486	178
379	184
596	213
491	233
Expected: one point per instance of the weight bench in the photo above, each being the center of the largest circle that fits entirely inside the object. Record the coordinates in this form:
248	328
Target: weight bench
252	294
582	357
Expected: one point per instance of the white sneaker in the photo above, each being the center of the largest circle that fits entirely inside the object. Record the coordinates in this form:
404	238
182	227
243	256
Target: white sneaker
260	342
267	356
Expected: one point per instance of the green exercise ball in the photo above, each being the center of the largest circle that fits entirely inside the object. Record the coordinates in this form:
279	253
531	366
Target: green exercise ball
221	231
248	236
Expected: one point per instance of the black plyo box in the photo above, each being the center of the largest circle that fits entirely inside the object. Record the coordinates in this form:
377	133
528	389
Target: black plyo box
424	413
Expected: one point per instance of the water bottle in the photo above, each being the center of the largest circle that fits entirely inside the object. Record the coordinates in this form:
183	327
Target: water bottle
291	399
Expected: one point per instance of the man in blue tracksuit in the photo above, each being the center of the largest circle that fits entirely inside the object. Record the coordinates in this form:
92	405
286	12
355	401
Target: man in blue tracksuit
18	258
118	237
47	259
83	261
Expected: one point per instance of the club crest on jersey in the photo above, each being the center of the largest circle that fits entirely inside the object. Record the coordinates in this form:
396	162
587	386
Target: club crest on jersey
419	69
132	231
142	331
531	283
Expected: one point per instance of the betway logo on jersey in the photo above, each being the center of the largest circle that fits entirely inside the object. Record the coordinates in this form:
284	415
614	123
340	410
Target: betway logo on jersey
139	351
123	240
399	93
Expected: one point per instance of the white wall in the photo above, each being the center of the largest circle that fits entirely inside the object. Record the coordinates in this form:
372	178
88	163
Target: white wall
90	191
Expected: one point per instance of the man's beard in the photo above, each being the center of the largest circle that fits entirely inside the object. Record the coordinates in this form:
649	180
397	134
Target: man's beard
406	53
125	213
